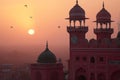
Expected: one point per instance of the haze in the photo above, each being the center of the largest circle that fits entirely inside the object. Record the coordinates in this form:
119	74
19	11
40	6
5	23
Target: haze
44	16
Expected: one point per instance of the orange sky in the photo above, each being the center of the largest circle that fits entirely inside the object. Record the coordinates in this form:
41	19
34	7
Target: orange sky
47	15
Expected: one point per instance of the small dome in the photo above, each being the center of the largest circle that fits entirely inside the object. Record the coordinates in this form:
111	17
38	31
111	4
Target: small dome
46	56
103	15
77	12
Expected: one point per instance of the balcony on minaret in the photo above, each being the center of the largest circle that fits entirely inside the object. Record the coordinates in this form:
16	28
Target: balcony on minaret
81	29
103	33
102	30
77	20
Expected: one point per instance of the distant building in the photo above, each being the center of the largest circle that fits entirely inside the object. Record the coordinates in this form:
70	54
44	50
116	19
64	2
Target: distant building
6	71
97	59
22	72
11	72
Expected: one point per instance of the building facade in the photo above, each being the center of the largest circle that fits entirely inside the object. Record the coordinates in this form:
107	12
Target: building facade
96	59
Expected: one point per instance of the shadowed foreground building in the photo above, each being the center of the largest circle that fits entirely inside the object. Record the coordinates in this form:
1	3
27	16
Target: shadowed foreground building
47	67
96	59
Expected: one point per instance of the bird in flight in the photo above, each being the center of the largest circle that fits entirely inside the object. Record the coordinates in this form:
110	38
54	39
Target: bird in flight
11	26
26	5
58	26
31	17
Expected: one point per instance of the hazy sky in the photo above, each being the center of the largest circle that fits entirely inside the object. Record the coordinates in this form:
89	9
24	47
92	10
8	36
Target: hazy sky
47	15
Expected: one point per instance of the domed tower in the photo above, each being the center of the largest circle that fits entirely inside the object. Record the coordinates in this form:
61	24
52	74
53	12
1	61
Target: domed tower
47	67
77	13
77	32
78	42
103	24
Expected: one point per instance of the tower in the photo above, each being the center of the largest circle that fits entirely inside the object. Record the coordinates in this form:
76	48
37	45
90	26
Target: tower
103	24
77	33
78	41
47	67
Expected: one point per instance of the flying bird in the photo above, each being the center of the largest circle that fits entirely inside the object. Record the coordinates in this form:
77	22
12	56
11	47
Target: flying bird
58	26
26	5
31	17
11	26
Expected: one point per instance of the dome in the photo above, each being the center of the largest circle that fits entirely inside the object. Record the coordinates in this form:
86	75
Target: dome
103	15
46	56
77	12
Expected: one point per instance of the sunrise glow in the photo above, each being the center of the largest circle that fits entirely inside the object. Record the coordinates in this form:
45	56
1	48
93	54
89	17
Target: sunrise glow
31	31
44	18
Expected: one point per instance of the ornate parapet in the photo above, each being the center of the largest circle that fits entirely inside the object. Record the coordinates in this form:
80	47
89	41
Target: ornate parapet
77	29
103	30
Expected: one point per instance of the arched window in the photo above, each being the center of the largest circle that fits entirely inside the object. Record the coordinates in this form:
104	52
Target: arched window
77	58
77	23
101	59
81	77
92	60
84	59
79	74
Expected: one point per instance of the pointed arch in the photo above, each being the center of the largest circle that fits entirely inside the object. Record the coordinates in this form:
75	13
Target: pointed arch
80	74
92	59
81	77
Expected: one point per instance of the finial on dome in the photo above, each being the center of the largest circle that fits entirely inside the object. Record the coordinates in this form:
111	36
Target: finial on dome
103	4
46	44
76	1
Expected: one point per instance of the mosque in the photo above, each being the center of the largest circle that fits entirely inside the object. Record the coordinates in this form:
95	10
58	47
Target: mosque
96	59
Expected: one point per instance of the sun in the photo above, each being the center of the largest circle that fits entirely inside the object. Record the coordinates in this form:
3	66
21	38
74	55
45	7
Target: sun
31	31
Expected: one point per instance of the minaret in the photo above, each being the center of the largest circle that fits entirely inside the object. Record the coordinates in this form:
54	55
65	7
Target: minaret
77	32
78	41
103	24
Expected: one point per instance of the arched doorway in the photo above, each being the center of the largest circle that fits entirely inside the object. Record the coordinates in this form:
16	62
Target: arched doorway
80	74
81	77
